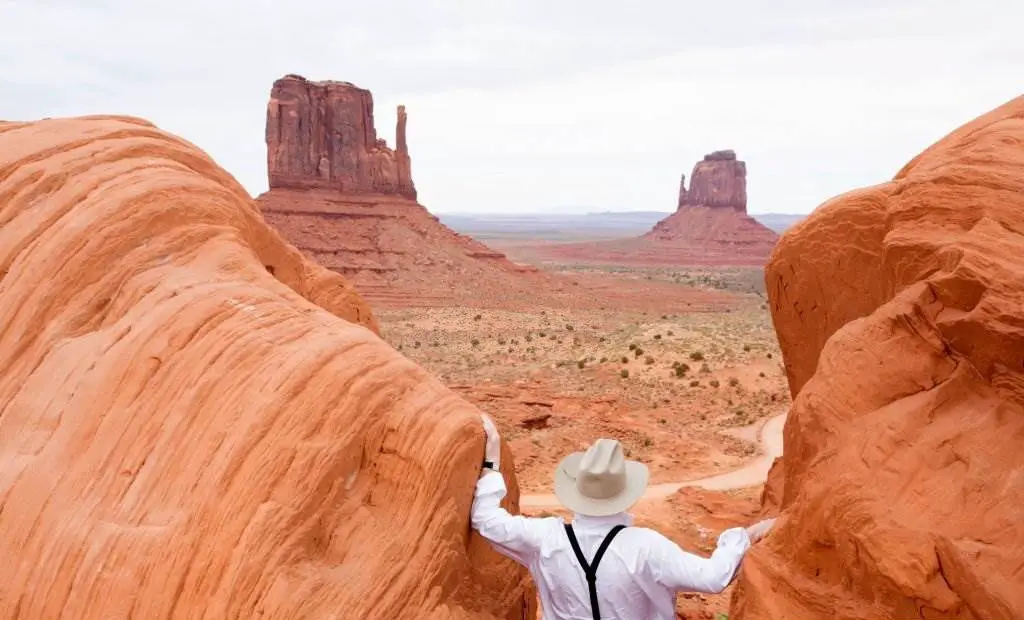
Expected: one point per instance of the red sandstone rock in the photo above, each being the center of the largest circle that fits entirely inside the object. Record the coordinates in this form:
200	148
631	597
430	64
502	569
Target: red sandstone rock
349	202
194	422
900	312
720	180
321	135
710	226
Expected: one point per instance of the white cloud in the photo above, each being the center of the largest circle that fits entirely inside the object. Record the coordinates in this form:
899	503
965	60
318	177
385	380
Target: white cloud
533	105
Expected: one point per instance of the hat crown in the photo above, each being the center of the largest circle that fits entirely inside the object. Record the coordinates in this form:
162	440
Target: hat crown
602	470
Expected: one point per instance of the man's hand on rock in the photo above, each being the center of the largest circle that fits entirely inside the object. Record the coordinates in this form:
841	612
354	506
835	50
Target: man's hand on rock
492	450
760	529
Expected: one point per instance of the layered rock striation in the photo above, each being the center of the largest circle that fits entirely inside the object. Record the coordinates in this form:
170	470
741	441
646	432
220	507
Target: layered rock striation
198	422
900	313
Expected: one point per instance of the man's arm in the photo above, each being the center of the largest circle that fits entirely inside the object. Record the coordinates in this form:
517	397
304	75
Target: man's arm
511	535
681	571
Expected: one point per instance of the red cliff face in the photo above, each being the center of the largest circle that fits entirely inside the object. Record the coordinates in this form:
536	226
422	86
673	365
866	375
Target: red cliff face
720	180
320	135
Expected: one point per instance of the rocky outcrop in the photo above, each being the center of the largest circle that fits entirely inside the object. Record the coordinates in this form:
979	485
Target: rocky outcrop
709	227
322	135
711	224
197	422
348	202
719	181
900	312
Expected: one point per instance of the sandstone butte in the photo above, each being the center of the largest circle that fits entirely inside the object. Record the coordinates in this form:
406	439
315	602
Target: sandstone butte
348	201
900	312
198	422
709	227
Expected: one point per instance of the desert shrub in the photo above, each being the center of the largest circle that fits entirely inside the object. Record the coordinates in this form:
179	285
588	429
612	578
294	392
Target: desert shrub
638	351
474	342
581	363
416	344
604	359
670	333
705	368
625	360
632	347
714	383
769	356
681	370
697	356
624	373
542	335
746	348
569	327
648	442
477	317
662	421
501	341
694	383
648	360
733	381
657	336
761	374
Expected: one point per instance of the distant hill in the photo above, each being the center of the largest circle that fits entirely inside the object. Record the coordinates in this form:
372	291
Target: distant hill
600	225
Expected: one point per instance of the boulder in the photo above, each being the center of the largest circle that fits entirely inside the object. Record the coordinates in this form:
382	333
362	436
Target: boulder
900	313
197	422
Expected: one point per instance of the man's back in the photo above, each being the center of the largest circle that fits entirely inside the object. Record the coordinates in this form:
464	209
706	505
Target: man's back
637	577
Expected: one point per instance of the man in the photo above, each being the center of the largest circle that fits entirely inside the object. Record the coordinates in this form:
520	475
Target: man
598	566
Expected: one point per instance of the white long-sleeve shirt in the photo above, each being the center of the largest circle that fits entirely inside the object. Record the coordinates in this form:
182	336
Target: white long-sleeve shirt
638	577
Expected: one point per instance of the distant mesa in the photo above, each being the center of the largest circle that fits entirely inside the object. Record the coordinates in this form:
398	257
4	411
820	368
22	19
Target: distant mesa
321	135
709	227
348	201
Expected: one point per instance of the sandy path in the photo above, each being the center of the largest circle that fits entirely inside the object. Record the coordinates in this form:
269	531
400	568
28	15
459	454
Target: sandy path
753	473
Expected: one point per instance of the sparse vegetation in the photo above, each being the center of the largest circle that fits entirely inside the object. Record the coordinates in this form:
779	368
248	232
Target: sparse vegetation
733	381
697	356
624	373
714	383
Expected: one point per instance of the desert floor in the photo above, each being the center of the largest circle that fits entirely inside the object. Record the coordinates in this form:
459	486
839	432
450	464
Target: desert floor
686	392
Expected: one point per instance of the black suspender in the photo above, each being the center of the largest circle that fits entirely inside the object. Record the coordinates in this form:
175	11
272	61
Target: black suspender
591	569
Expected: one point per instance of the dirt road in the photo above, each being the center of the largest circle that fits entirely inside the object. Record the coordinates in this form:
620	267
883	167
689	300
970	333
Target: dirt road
753	473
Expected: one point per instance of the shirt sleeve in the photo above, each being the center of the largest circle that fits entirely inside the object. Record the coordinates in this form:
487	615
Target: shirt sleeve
681	571
515	536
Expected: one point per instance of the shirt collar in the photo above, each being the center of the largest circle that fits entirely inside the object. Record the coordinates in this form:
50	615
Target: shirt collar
589	522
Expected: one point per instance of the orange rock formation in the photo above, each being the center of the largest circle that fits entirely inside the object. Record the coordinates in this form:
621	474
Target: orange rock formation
709	227
900	312
345	199
196	422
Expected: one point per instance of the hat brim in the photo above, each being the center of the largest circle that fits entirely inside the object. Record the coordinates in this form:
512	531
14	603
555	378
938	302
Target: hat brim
565	489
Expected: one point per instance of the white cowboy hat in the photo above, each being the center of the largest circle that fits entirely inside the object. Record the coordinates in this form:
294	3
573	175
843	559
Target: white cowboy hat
600	481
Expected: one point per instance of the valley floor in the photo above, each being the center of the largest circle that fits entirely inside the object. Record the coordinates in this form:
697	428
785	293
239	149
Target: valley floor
685	389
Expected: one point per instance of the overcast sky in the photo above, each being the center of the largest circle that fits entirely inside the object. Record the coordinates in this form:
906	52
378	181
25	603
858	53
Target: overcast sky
543	105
